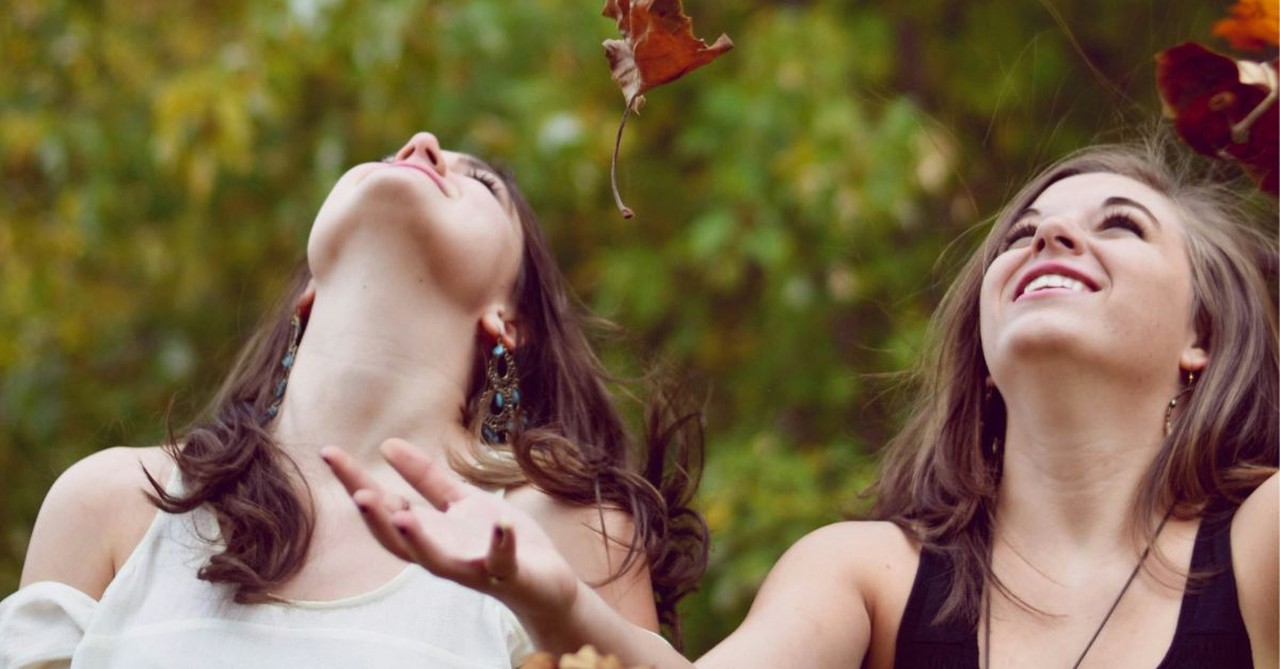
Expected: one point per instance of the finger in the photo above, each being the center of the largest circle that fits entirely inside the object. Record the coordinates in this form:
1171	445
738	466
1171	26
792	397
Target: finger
501	560
424	474
378	519
347	470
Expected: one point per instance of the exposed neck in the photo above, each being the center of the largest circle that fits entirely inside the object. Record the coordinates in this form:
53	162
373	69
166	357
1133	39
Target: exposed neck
376	362
1076	452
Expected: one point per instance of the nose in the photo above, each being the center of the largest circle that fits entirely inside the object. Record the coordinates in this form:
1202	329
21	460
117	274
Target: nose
1058	234
425	147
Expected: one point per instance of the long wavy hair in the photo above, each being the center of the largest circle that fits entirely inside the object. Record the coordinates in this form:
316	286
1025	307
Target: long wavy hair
575	446
941	474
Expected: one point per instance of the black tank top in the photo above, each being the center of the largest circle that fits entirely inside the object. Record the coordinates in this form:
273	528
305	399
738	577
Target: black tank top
1210	631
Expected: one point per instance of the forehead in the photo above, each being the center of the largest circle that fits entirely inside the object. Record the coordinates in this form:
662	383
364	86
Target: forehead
1093	189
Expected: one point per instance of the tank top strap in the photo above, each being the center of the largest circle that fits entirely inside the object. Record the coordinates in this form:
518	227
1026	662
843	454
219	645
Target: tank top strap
921	644
1210	629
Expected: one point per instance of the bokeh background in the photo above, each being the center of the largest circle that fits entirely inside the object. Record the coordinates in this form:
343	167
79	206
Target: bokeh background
801	203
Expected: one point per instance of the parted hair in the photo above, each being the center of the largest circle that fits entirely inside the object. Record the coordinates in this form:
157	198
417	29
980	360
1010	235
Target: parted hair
940	478
576	445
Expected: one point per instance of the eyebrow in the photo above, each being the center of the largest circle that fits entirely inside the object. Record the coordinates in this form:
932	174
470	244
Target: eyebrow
1113	201
471	162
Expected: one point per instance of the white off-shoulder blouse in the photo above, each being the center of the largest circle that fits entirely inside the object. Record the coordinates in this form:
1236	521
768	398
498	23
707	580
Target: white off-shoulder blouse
156	613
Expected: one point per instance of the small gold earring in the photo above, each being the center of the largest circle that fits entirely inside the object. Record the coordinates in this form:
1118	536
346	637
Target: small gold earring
1168	412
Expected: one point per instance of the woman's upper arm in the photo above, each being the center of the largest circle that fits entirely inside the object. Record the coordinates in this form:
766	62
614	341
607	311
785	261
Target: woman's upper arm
812	610
1255	553
94	513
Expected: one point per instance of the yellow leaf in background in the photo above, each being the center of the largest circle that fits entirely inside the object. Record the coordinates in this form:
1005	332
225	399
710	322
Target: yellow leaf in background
586	658
539	660
1253	25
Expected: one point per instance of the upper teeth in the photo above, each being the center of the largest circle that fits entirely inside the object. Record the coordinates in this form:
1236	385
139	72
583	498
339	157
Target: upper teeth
1054	281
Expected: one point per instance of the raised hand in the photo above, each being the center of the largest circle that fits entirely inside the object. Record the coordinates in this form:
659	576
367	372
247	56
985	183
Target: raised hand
467	535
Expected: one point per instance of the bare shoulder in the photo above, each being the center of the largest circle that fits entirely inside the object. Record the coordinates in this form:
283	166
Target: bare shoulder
1255	554
876	558
92	518
578	530
826	600
1254	529
595	542
878	542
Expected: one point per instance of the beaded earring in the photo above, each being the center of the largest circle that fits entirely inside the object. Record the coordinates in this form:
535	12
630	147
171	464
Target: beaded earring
286	366
502	404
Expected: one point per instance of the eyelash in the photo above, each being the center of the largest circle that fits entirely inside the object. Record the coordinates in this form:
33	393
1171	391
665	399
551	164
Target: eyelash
489	180
1122	219
1110	219
1018	231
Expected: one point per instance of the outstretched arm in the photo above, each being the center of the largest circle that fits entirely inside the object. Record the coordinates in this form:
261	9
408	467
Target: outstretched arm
1255	551
489	545
810	611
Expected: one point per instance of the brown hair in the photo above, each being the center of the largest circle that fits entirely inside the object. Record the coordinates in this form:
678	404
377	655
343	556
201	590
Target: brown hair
940	475
575	447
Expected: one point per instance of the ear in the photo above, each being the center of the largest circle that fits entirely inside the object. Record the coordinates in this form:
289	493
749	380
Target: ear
502	327
1193	359
306	299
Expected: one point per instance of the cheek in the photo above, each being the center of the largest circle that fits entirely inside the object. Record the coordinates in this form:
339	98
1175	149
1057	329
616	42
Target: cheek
991	299
476	254
994	282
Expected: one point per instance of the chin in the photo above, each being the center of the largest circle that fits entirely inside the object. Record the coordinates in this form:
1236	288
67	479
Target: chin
1044	335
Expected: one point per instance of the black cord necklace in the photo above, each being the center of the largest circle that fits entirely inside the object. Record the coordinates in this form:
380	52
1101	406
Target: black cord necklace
1132	576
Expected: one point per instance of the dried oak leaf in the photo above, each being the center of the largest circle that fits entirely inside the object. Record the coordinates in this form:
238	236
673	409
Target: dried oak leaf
1253	25
657	47
1223	108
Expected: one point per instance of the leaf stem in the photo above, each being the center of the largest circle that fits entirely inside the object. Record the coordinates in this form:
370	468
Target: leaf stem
613	164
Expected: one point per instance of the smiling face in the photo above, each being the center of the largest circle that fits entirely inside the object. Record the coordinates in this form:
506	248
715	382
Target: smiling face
444	216
1096	269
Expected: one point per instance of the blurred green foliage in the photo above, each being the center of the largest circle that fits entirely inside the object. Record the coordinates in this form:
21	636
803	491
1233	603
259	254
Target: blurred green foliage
162	161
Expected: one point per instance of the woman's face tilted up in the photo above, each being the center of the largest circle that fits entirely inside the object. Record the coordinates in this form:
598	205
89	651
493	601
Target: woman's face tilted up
1095	272
423	214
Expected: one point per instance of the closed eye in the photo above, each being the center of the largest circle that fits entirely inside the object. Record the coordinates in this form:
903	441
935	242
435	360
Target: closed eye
1017	235
489	180
1121	220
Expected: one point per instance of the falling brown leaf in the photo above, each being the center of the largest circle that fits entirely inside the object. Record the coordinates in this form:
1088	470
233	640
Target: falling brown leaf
657	47
1253	25
1223	108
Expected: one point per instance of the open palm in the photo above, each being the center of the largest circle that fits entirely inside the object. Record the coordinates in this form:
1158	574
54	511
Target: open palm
466	535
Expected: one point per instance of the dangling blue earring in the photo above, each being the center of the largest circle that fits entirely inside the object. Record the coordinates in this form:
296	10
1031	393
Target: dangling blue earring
502	406
286	366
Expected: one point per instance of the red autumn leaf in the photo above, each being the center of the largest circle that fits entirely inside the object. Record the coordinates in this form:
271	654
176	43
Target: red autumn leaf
1253	25
657	47
1223	108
